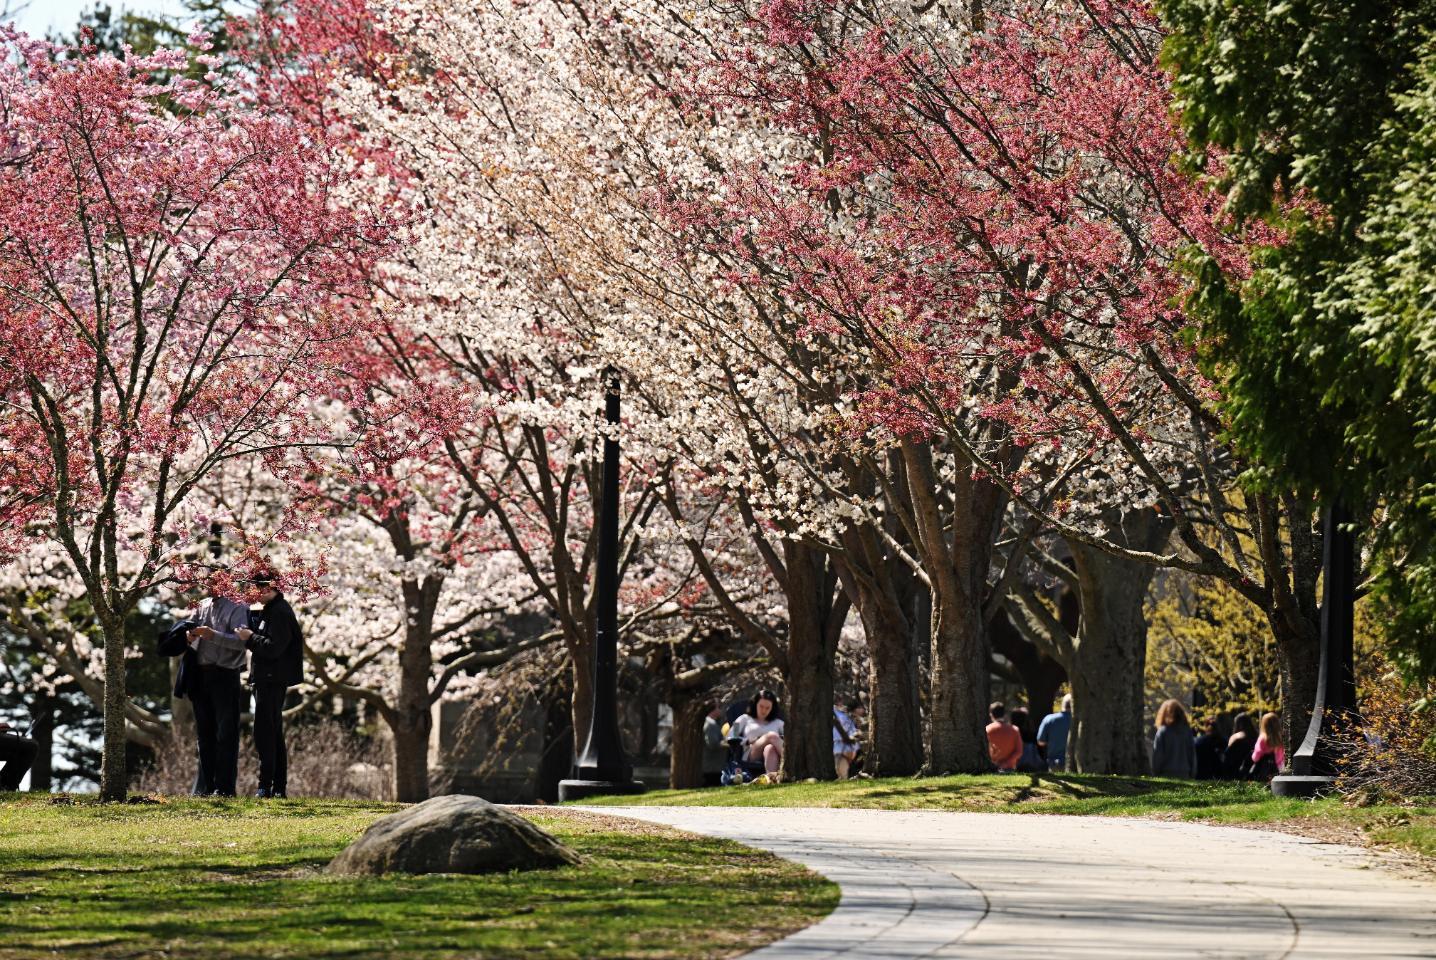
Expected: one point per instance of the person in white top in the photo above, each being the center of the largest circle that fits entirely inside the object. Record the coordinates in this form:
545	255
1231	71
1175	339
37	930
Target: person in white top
761	730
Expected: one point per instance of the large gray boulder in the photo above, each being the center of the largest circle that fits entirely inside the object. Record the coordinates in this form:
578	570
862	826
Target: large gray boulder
453	834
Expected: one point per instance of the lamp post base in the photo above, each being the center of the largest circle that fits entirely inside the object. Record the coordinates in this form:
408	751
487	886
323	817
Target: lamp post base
1304	786
579	789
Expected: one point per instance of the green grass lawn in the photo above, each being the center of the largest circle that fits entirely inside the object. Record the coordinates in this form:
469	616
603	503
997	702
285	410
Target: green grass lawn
1411	828
227	879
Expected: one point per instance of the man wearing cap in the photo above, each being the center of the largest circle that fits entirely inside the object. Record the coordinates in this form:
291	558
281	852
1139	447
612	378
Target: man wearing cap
276	664
220	655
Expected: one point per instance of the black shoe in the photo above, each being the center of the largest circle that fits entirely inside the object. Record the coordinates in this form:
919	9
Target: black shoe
278	794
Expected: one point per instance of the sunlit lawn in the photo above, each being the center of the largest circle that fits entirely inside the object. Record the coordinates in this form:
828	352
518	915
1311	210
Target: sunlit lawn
229	879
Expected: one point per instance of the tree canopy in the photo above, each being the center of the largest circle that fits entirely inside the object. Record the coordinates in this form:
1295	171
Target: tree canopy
1315	117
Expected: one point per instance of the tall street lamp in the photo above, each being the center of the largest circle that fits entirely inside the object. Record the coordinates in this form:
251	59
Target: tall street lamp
602	767
1313	766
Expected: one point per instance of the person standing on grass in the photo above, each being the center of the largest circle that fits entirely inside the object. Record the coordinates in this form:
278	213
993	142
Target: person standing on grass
276	664
1052	735
220	654
1004	741
1174	751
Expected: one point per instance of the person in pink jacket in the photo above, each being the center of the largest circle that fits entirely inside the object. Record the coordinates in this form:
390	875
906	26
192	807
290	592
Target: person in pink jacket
1269	743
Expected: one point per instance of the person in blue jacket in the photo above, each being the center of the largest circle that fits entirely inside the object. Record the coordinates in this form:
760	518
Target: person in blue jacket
1052	735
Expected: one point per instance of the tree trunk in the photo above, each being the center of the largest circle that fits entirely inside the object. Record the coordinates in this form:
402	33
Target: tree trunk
812	643
114	779
411	719
1108	667
881	586
42	771
961	685
894	746
1299	651
411	757
956	553
1107	672
580	653
685	769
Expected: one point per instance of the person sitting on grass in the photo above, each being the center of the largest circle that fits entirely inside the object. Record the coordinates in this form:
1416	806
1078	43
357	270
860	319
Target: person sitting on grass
1174	749
1210	746
761	731
1269	754
1031	760
1004	741
1052	735
1237	760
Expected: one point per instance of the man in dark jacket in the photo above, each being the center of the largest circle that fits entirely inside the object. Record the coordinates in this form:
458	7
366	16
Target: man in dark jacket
189	683
276	663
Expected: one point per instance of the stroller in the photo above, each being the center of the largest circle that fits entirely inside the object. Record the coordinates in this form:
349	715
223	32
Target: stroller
737	771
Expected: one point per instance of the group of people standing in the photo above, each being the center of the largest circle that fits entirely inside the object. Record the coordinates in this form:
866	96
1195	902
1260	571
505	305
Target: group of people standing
214	645
1243	751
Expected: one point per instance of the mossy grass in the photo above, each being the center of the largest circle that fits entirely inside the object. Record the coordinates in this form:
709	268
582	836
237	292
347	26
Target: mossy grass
241	878
1410	827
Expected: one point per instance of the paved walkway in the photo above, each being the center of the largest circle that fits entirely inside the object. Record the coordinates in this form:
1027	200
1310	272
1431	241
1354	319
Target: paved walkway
1030	887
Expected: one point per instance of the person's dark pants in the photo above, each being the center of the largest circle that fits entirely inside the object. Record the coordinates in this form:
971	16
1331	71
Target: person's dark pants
216	725
269	738
17	754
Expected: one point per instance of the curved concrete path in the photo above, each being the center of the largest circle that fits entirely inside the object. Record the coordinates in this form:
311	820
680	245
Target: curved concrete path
1025	887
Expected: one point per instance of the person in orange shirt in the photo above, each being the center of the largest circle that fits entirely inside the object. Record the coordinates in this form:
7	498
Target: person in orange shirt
1004	741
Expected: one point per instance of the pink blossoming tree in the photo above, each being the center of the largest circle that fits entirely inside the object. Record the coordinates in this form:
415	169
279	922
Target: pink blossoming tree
173	269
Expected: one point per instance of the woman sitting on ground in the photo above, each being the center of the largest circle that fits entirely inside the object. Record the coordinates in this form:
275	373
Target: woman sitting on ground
1174	752
1269	755
1031	760
1237	761
761	730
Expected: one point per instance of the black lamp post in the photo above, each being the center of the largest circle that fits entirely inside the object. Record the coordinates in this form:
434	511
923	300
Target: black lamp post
602	767
1313	766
